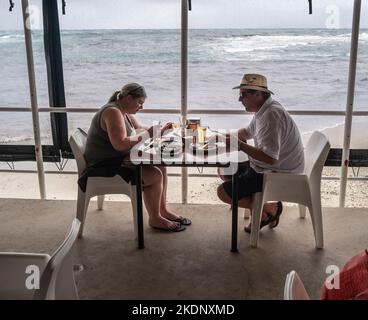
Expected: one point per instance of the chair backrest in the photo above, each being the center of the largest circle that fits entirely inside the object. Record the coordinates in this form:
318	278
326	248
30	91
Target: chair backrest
57	280
316	153
294	288
77	143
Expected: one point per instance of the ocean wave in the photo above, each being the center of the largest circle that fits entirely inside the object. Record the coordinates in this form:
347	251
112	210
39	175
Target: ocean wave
272	42
11	38
19	138
363	36
324	128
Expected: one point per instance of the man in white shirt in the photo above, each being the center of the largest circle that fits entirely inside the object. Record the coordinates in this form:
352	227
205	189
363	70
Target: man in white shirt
277	147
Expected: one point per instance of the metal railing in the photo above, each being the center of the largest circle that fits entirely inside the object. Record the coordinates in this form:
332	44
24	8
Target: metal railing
191	111
177	111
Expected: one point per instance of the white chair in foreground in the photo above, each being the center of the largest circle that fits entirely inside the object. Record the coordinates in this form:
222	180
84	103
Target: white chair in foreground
304	189
97	186
26	276
294	288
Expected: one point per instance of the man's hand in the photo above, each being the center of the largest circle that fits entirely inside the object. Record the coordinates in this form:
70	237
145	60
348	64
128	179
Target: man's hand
233	142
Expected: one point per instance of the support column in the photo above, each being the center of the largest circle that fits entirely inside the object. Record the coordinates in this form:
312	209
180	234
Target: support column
184	88
350	101
33	94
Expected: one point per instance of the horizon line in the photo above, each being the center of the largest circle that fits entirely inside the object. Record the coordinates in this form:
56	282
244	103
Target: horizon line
235	28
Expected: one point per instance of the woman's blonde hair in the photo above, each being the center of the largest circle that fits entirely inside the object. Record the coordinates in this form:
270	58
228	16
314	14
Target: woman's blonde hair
133	89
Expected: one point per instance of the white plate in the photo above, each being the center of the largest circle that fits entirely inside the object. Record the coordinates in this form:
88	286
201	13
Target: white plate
170	149
199	147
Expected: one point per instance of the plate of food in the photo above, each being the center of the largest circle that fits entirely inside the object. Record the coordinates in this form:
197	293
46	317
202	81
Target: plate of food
203	147
169	148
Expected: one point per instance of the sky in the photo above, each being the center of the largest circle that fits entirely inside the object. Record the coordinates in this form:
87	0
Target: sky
157	14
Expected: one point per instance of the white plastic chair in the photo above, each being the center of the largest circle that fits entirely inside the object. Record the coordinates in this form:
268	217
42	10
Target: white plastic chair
97	186
304	189
294	288
26	276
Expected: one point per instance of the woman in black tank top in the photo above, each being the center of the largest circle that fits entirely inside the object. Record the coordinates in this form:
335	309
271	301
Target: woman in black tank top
122	131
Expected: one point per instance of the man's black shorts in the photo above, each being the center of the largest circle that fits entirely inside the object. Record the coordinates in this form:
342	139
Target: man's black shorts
250	182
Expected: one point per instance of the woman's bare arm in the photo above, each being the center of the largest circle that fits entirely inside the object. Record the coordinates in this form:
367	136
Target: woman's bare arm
112	121
136	123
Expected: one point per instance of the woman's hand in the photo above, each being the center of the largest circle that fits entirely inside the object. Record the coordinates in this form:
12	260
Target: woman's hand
166	127
158	130
154	130
150	131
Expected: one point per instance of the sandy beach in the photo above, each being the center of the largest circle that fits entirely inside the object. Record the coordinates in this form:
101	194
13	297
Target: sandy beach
200	190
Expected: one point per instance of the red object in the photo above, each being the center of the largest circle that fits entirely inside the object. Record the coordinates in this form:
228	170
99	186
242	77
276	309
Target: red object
353	280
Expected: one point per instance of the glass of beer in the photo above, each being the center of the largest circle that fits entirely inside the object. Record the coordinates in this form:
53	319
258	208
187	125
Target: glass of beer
202	134
192	126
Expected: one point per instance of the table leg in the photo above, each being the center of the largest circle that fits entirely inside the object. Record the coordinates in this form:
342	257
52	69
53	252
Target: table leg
139	207
234	230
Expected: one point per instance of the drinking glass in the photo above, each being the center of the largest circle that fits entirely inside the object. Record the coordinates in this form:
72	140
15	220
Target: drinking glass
202	134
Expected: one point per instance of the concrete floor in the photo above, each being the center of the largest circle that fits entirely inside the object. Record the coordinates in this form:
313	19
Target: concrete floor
194	264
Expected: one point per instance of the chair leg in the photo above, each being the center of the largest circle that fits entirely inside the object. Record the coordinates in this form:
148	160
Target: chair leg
82	206
100	202
316	216
302	211
256	218
133	200
318	229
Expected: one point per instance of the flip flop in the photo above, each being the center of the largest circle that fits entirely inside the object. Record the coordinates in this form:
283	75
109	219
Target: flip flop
265	222
272	220
276	218
183	221
179	227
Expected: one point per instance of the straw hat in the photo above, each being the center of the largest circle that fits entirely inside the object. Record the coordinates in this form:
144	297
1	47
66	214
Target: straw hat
254	82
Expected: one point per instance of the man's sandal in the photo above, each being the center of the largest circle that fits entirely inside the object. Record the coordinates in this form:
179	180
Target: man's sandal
271	220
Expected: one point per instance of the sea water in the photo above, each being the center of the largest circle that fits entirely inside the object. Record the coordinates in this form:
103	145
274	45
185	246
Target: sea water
307	69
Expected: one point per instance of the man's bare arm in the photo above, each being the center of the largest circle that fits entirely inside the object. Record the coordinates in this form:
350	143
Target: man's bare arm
243	134
256	153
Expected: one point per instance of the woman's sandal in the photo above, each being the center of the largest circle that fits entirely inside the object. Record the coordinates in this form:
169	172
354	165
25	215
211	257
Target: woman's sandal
271	220
179	227
183	221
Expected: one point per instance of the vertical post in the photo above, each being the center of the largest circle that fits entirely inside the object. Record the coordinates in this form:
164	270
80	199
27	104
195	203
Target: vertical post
184	88
234	211
350	101
33	94
139	207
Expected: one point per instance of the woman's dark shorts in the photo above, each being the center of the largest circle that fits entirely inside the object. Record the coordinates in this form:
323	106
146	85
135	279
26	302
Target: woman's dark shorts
250	182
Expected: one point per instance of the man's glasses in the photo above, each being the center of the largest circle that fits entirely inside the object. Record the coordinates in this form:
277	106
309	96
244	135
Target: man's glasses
245	94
